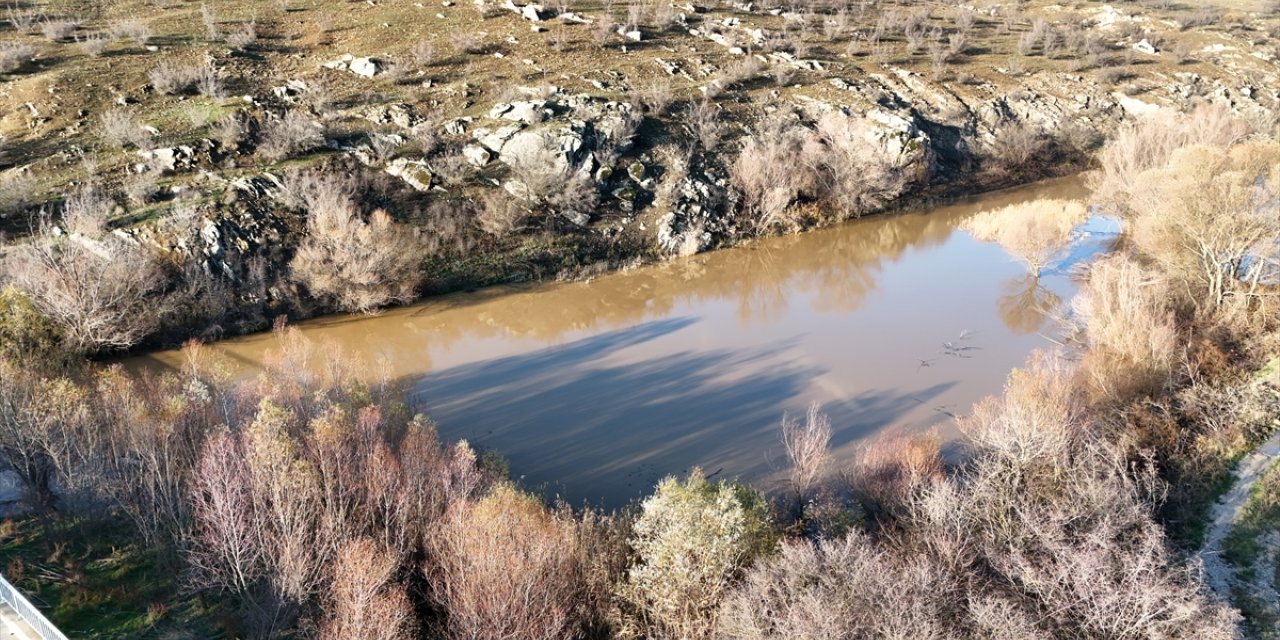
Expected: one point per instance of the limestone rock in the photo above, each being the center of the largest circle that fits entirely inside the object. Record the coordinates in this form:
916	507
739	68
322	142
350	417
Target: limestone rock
415	172
476	155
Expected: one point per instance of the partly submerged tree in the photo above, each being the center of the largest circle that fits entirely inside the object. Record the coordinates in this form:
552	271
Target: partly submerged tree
1034	232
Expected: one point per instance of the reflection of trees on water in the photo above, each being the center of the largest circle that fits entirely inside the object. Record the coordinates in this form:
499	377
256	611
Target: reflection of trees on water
1035	232
837	268
1025	305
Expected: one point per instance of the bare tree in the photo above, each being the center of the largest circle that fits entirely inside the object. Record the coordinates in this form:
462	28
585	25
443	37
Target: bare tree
102	295
505	568
806	445
365	601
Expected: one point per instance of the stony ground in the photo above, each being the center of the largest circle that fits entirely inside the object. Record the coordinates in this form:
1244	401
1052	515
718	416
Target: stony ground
424	91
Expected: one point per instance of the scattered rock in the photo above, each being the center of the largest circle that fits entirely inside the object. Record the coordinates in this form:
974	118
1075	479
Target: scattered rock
476	155
1145	46
415	172
364	67
528	112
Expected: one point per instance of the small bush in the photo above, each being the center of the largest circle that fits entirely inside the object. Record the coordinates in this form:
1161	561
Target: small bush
703	122
424	53
24	20
13	55
93	46
131	29
692	540
58	30
119	129
291	134
359	265
24	332
86	211
506	567
466	42
171	79
230	130
244	37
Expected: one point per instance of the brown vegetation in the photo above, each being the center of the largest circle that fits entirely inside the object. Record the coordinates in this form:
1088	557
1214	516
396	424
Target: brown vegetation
100	295
359	264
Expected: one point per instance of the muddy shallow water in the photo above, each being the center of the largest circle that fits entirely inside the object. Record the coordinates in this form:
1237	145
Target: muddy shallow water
595	390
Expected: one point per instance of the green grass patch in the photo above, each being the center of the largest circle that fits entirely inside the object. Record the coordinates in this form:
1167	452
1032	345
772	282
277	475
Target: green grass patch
1260	517
94	580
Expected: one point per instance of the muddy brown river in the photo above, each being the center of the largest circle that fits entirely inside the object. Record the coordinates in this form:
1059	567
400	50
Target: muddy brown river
594	390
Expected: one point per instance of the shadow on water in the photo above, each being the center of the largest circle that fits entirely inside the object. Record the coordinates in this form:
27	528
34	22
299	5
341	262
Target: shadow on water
573	424
594	390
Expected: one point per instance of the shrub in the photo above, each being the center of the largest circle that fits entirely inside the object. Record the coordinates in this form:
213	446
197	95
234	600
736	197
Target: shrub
244	37
94	45
365	601
543	178
838	589
1149	143
86	211
505	567
1208	219
119	129
1017	147
1034	232
132	29
58	30
291	134
357	264
22	19
839	164
171	79
806	446
692	540
25	335
13	55
774	169
424	53
859	173
99	296
230	130
467	42
702	121
1128	325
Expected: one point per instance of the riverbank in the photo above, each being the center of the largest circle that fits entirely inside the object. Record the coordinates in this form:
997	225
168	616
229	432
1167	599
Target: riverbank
544	177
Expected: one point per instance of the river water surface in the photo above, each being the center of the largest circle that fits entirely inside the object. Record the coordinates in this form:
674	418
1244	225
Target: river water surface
595	390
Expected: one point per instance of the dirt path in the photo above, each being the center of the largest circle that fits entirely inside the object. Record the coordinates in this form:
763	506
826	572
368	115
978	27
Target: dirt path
1225	512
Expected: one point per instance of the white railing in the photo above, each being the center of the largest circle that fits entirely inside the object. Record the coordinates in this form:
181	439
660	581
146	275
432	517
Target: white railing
28	612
